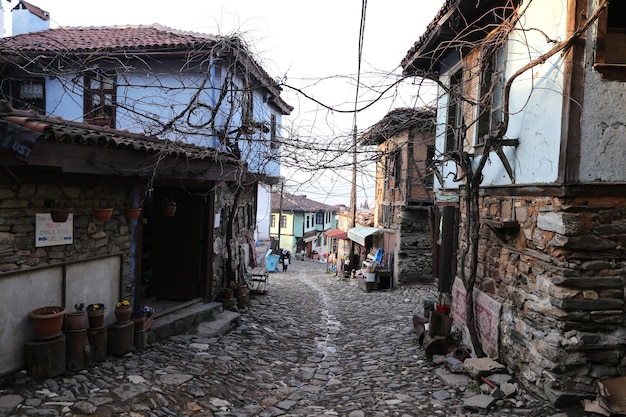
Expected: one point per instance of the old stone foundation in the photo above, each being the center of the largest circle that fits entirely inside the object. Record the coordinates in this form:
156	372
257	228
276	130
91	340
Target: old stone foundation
556	268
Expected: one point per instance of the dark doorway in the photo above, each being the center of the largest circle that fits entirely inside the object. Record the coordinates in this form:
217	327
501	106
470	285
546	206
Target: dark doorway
177	250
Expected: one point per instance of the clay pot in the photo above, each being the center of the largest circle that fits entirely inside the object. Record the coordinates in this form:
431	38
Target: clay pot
47	322
140	323
132	213
59	215
75	322
96	319
122	314
102	214
168	211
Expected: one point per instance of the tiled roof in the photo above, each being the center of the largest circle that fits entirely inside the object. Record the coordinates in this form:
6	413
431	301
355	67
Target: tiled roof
60	130
459	25
132	40
396	121
298	203
115	38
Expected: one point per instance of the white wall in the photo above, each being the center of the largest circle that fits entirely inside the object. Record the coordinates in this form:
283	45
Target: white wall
45	287
535	103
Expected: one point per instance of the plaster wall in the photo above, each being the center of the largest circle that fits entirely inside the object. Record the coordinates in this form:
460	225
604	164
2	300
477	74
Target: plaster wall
535	104
603	127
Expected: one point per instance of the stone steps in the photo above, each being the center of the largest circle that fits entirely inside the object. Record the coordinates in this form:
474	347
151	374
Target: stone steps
180	320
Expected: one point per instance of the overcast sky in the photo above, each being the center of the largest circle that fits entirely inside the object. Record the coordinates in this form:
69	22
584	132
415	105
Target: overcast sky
310	43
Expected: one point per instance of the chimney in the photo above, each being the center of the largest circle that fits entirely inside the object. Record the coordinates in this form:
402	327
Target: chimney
27	18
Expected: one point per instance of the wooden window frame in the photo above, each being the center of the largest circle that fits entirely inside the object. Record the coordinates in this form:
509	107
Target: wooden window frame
454	116
38	105
95	88
611	67
490	94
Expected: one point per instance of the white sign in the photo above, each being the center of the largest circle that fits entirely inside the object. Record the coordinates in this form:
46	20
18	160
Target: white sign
49	233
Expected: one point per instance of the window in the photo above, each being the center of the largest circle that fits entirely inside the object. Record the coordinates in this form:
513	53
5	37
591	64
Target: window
490	94
283	221
30	94
273	138
273	222
100	99
397	168
319	217
454	120
611	42
429	177
308	221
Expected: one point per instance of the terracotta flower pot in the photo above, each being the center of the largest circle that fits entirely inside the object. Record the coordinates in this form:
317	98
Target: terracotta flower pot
140	323
59	215
96	319
102	214
122	314
148	322
168	211
47	321
132	213
75	322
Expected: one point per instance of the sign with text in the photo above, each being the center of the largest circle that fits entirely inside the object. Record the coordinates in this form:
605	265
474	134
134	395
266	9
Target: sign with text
49	233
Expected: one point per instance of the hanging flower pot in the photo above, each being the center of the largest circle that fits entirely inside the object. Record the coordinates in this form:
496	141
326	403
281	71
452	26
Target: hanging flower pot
102	214
47	321
59	215
168	211
132	213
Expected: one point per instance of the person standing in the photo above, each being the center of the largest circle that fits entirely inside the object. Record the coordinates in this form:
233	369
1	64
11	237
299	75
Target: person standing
285	257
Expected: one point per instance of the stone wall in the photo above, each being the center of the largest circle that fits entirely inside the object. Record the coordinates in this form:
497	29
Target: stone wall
244	224
414	254
20	203
560	278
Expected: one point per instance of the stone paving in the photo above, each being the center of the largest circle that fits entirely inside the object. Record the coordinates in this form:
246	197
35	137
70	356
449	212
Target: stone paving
312	346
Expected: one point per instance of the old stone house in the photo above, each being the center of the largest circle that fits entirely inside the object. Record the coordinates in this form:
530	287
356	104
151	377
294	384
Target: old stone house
51	163
530	122
208	118
404	141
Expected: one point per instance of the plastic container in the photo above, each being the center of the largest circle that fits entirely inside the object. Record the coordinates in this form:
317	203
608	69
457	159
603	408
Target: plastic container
271	261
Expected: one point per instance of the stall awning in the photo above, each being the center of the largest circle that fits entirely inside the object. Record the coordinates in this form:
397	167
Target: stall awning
336	234
309	239
359	233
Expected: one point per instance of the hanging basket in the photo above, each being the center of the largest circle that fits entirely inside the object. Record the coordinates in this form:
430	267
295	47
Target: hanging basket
168	211
132	213
59	215
102	214
47	321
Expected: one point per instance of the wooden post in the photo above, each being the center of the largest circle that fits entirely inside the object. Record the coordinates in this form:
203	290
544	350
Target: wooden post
78	351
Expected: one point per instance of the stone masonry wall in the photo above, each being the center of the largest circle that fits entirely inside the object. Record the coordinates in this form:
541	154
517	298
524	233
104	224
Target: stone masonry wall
19	203
415	256
560	278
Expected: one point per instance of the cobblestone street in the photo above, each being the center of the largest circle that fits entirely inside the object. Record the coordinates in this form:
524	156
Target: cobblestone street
312	346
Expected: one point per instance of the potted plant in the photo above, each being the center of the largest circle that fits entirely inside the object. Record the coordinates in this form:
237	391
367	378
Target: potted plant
59	213
132	213
75	322
169	207
95	315
47	321
143	318
102	214
123	312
